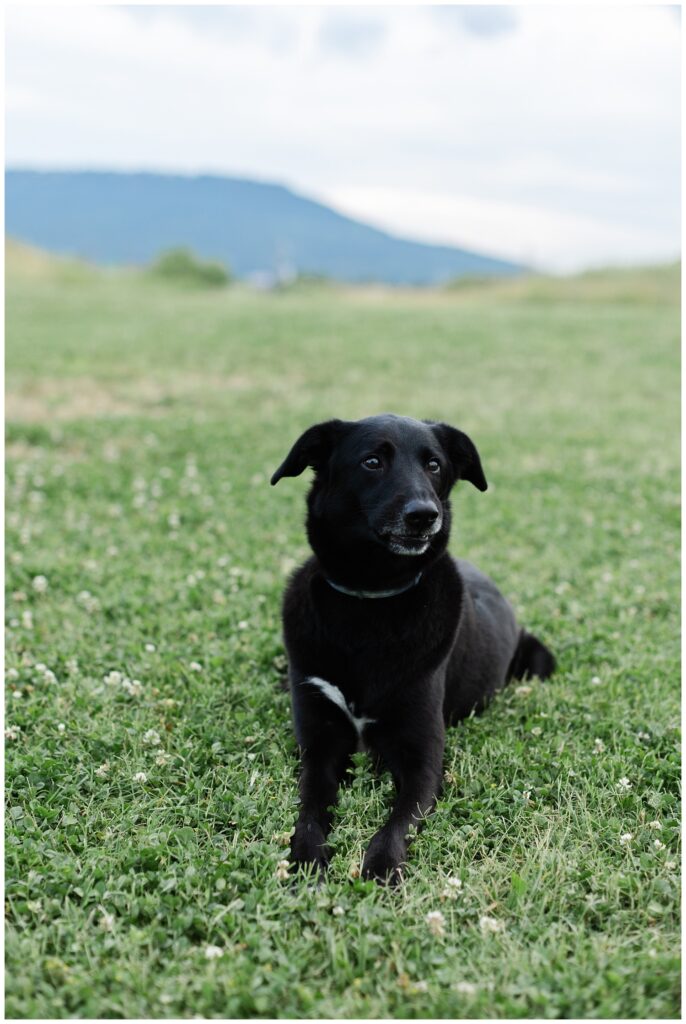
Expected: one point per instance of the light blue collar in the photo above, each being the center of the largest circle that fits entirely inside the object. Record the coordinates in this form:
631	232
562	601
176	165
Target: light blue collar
374	593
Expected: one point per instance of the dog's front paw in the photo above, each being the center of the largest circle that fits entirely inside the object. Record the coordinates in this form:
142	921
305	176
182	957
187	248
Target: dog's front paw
309	847
384	859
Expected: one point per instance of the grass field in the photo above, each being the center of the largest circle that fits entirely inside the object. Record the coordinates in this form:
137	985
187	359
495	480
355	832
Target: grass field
151	767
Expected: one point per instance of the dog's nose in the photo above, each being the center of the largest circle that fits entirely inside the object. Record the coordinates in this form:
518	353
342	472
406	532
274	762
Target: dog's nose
420	515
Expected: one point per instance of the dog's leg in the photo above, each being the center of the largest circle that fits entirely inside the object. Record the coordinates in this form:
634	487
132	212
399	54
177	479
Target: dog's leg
415	759
323	765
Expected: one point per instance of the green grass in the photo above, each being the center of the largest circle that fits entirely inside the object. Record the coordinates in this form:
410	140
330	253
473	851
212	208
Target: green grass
143	425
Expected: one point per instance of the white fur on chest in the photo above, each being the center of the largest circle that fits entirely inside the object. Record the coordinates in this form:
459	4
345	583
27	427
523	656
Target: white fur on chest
336	696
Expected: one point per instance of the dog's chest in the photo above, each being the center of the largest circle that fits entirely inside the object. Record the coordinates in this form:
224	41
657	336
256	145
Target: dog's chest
349	707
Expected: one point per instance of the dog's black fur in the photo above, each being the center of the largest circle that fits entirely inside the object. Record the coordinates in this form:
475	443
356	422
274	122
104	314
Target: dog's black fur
403	665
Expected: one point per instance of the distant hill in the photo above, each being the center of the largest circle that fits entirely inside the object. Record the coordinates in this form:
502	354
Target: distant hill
253	227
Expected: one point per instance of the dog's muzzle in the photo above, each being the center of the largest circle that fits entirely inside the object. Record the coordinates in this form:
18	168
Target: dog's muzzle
411	532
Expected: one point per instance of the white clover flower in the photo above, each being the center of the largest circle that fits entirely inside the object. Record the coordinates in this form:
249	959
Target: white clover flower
27	619
11	674
490	925
624	785
465	988
338	911
195	666
103	770
47	674
420	986
106	921
643	736
596	681
113	678
140	777
598	746
152	738
174	520
88	601
436	923
282	870
150	648
12	732
61	727
452	889
242	624
133	687
40	584
658	845
536	731
670	865
162	759
213	952
655	824
625	838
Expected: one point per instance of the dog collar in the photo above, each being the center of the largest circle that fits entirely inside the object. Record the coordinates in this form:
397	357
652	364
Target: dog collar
374	593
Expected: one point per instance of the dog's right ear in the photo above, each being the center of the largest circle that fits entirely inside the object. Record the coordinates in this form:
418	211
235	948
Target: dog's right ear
311	449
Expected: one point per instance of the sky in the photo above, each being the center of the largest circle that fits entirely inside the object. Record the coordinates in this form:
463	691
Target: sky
547	135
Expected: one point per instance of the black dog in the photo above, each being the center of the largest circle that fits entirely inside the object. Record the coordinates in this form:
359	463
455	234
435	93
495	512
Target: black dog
389	639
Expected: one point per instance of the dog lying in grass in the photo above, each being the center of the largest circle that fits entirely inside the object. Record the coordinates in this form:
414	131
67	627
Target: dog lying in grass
389	639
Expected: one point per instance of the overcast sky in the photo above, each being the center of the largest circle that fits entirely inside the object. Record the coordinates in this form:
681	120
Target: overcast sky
547	135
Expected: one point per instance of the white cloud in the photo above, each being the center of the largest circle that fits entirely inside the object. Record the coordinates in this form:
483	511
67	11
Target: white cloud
550	134
537	237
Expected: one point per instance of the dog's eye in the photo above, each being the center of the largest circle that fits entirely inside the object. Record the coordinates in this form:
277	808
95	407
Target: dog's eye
372	462
433	466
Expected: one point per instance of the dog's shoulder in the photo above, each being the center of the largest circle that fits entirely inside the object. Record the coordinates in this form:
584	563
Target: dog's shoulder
298	586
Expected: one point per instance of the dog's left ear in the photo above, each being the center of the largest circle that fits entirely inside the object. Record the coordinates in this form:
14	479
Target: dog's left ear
462	453
311	449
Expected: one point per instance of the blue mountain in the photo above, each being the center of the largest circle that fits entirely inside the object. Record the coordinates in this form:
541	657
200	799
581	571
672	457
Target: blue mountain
253	227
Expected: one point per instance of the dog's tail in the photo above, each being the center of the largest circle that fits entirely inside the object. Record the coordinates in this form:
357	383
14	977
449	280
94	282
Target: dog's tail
531	658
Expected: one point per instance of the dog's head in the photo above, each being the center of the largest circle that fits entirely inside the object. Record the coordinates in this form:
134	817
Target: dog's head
381	486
